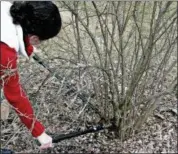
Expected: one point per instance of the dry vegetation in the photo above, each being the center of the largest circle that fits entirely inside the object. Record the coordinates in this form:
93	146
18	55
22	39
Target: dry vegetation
115	62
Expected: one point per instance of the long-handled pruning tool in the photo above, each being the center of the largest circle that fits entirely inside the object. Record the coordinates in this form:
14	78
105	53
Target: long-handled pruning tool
57	138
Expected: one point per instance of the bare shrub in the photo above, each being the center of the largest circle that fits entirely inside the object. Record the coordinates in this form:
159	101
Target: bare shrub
116	57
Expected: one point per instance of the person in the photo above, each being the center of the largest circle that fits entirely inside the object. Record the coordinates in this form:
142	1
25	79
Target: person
25	24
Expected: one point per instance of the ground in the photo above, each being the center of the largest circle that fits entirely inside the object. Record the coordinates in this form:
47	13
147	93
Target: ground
157	135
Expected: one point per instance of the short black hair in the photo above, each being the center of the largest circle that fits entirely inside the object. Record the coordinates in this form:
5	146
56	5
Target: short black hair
41	18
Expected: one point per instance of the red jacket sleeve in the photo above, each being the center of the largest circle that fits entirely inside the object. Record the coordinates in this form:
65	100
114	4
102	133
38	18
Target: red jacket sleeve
29	48
13	90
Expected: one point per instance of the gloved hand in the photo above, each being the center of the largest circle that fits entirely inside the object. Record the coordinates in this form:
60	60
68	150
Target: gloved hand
30	49
45	141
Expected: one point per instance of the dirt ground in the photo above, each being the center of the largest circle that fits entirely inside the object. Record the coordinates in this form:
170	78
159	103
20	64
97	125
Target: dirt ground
157	135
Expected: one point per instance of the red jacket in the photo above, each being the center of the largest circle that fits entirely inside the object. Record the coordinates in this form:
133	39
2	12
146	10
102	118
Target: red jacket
11	45
13	90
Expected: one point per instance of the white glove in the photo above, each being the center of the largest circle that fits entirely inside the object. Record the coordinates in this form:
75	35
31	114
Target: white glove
35	51
45	141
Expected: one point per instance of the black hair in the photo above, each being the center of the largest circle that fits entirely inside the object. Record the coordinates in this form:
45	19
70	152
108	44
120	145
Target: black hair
41	18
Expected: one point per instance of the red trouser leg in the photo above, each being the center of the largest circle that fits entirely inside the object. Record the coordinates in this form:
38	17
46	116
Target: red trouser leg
13	90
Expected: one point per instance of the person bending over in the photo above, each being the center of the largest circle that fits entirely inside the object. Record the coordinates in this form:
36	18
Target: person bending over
25	24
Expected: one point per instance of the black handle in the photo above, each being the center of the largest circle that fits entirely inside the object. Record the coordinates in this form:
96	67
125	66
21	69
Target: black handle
60	137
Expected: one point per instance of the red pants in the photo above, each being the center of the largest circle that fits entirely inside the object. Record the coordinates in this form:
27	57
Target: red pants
13	91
